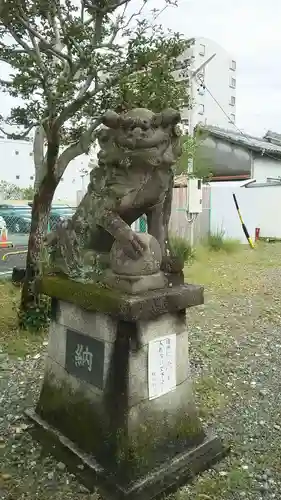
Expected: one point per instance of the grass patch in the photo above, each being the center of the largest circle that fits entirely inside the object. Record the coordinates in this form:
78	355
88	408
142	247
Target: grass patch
233	273
217	242
218	486
181	248
13	340
211	396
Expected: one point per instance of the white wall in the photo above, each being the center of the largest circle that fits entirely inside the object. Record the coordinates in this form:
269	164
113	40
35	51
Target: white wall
17	167
264	167
217	75
259	207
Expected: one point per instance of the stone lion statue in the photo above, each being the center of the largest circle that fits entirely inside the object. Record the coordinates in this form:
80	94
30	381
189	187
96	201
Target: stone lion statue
133	177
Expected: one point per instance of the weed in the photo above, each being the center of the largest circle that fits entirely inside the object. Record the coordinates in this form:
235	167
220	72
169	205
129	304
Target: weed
37	318
14	340
181	248
217	241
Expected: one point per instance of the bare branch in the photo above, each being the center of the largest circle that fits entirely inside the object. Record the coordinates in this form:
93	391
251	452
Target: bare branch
12	135
86	86
80	147
13	51
21	42
77	103
95	41
45	45
135	14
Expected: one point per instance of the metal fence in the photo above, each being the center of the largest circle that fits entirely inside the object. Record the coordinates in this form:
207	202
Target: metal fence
17	220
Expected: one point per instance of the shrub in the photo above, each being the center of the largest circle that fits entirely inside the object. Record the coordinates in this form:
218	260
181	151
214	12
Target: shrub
181	248
38	318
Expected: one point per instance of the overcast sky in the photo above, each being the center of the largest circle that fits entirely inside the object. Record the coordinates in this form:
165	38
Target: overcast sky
250	31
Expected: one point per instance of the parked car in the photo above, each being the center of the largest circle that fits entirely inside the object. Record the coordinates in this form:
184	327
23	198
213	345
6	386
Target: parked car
17	217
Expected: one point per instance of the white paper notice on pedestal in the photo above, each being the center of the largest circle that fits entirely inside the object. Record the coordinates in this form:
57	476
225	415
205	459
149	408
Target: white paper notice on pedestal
161	366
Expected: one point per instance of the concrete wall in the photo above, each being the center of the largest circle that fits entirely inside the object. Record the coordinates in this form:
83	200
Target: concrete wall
265	166
258	205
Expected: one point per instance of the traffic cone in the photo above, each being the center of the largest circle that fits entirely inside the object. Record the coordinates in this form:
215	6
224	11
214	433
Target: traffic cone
4	243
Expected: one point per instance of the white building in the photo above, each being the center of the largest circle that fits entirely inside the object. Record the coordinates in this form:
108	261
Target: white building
17	167
216	103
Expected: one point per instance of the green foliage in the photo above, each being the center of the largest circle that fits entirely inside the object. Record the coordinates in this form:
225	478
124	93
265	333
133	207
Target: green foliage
10	191
181	248
27	193
217	242
70	62
202	167
36	318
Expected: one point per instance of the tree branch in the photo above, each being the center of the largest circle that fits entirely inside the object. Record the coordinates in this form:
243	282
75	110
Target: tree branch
21	42
12	135
48	48
77	149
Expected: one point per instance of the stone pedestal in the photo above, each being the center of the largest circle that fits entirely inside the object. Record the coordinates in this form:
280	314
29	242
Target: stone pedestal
117	388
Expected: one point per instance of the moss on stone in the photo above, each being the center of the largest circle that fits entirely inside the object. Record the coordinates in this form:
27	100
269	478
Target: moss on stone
89	296
129	455
74	415
161	438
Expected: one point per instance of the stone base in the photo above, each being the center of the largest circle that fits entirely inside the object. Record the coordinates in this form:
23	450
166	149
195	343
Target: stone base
135	284
165	479
117	385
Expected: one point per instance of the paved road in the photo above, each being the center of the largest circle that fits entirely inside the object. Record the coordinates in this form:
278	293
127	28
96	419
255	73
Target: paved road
6	266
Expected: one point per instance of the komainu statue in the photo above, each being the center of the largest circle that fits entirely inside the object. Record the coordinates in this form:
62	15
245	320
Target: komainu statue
133	177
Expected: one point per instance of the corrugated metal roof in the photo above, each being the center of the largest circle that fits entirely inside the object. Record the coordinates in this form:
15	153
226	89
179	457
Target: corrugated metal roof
257	144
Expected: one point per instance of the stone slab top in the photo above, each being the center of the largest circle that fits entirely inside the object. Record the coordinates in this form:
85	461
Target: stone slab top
145	306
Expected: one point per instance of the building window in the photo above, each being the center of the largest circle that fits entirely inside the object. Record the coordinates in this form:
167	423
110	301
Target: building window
232	83
232	118
201	109
233	65
232	101
202	49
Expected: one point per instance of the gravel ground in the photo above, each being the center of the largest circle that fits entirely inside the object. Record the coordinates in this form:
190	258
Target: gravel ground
235	353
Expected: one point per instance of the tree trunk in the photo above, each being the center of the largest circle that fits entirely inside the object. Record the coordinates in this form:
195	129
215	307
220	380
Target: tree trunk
39	222
48	172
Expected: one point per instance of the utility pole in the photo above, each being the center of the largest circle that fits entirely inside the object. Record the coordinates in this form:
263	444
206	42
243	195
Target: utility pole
192	73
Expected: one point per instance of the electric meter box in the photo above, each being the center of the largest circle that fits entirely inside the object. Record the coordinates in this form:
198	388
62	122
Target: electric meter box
195	196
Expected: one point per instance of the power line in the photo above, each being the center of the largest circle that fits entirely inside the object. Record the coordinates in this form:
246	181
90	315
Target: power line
229	119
